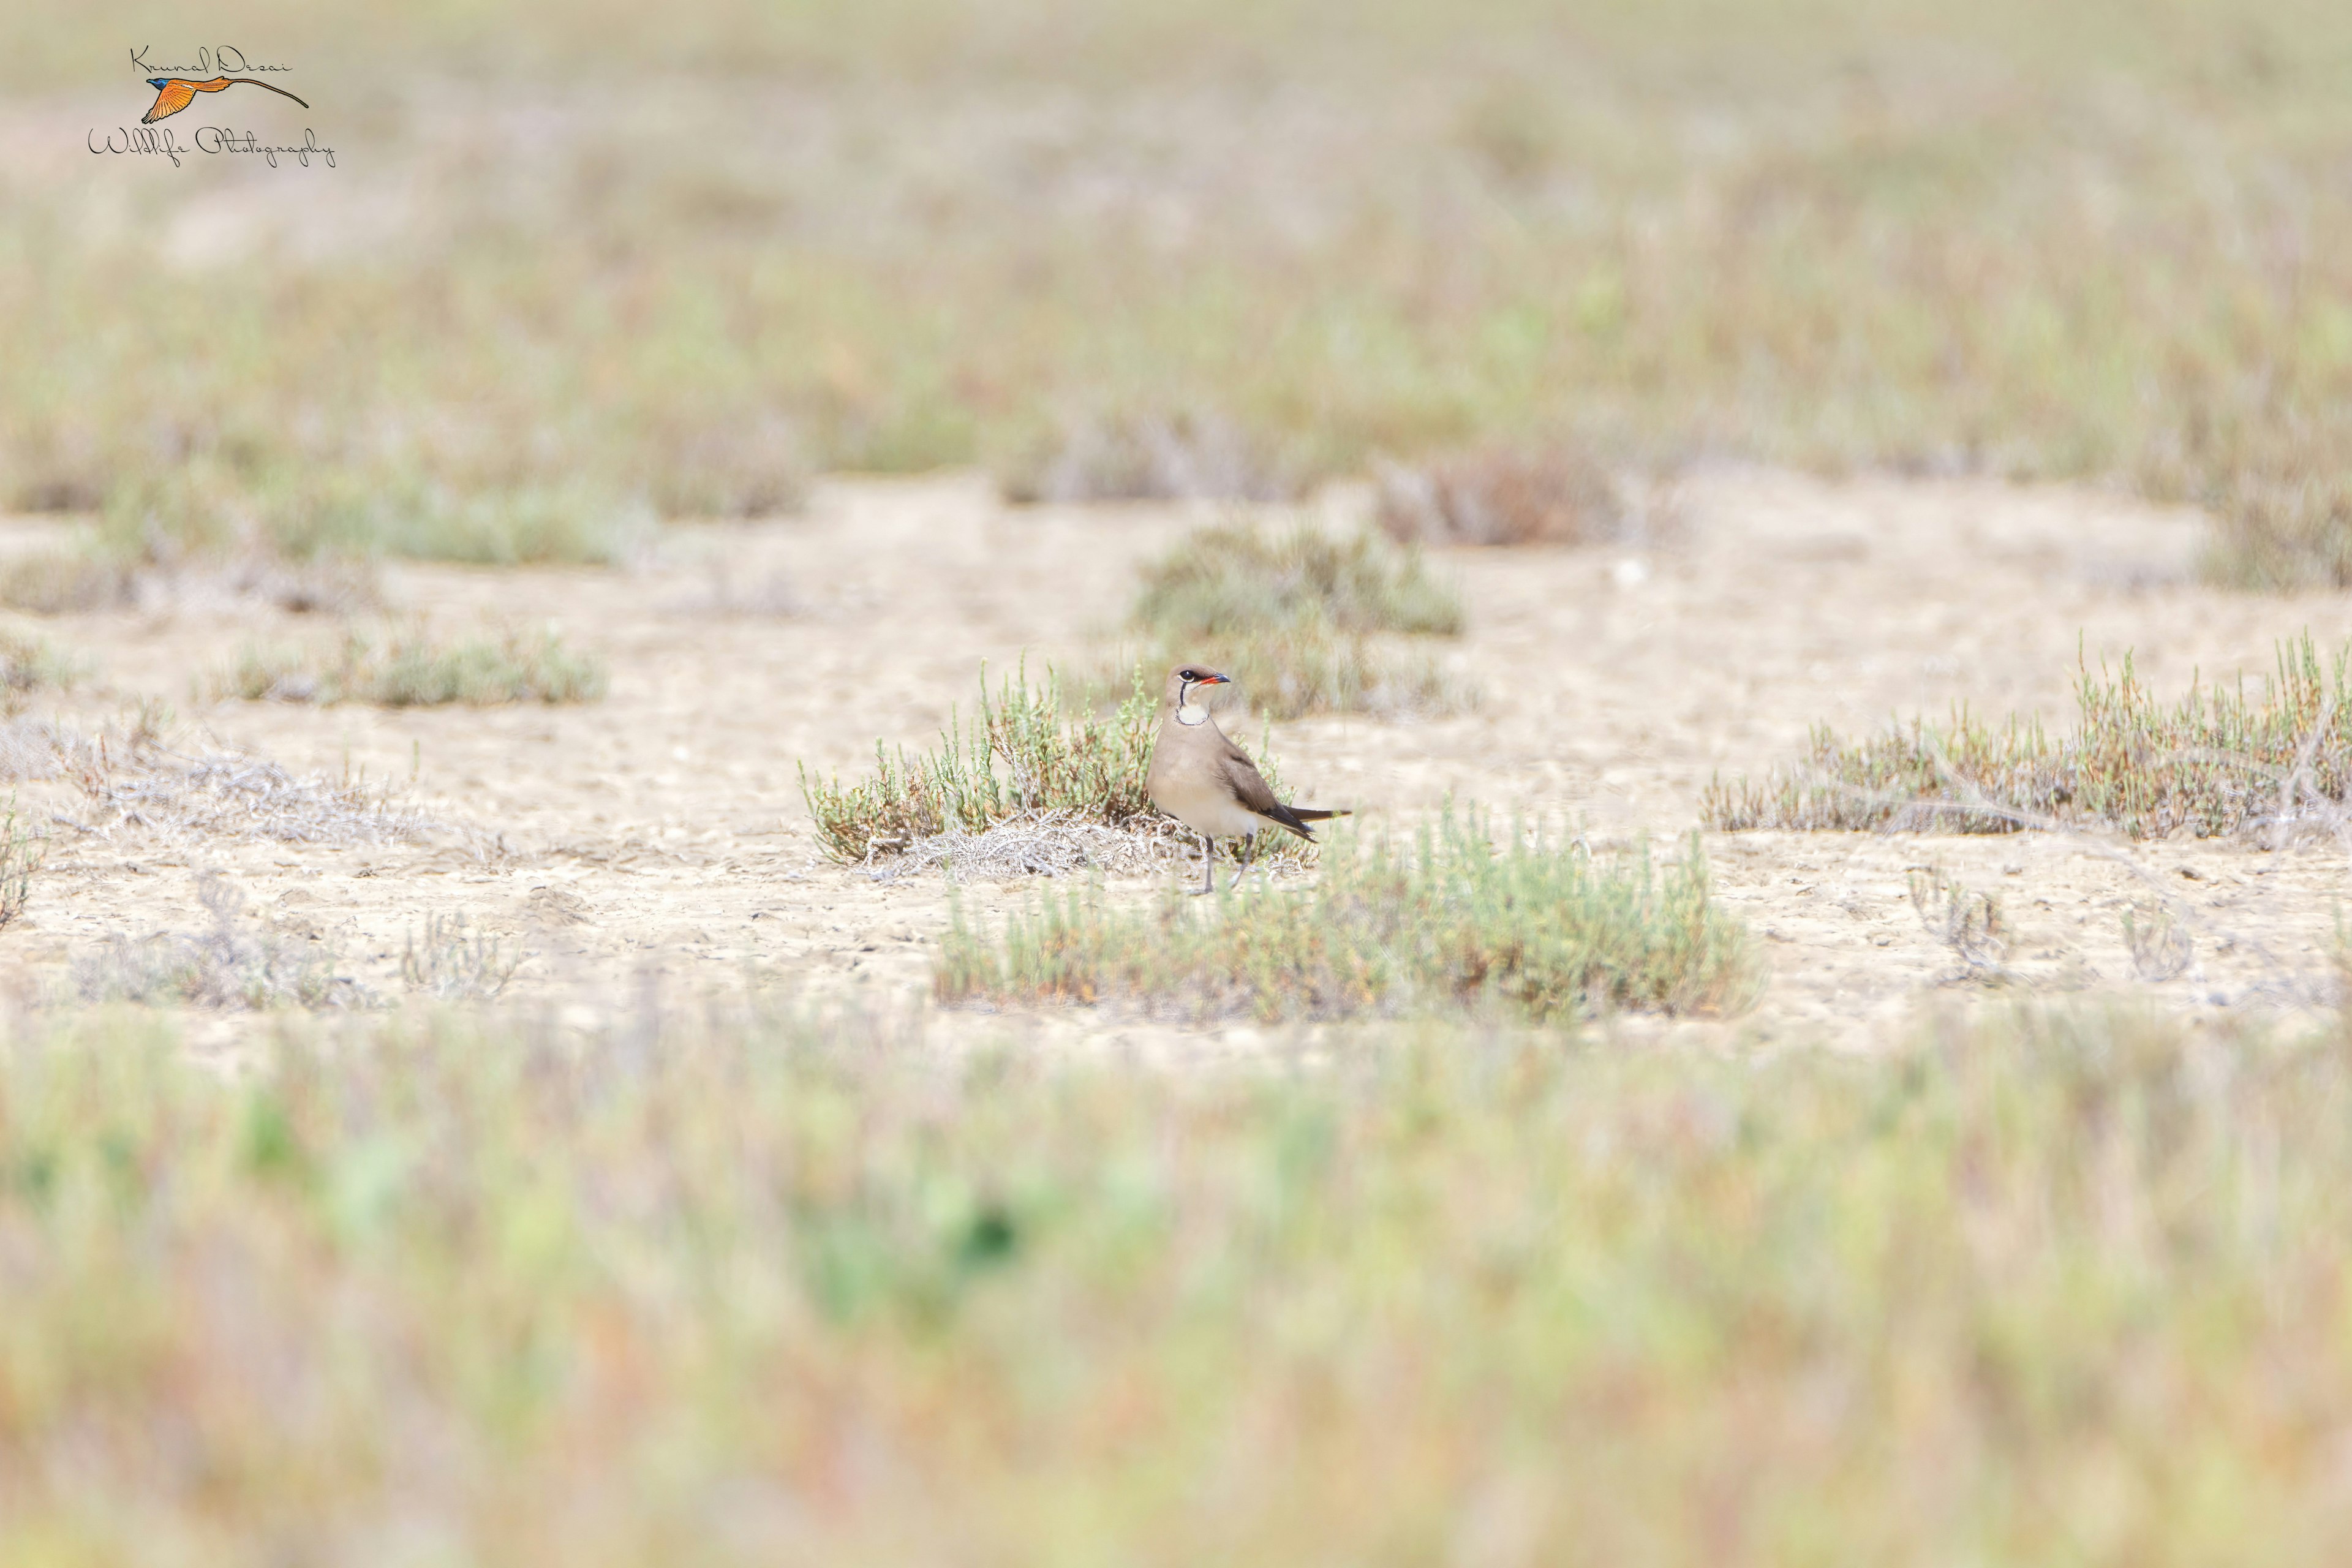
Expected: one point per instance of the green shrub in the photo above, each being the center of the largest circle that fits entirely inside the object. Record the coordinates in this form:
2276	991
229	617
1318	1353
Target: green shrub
1023	753
412	668
1241	577
2216	762
1304	620
303	511
22	850
1538	925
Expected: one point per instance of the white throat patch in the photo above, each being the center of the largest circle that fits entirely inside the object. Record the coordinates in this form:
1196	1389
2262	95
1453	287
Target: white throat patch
1188	716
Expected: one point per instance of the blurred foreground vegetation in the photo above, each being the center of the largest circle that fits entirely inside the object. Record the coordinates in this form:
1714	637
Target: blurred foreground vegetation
580	263
2050	1288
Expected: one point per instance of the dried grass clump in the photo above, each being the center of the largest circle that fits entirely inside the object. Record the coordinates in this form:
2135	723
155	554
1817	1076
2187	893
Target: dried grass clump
1023	759
82	580
2269	467
31	664
74	579
112	573
452	964
1556	494
412	668
232	964
1053	842
1972	926
134	781
1185	455
2161	945
323	585
30	748
2217	762
227	796
36	487
2282	532
1537	925
740	466
732	592
1305	621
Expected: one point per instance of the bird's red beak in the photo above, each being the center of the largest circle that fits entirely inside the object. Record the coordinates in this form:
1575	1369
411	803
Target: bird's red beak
1213	678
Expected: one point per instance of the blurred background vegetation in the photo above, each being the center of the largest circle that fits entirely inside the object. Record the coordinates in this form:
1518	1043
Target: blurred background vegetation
582	266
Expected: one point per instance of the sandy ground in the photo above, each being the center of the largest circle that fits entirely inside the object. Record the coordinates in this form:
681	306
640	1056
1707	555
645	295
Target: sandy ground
658	837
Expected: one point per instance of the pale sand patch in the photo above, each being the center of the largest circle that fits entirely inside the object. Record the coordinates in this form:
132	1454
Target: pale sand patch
660	837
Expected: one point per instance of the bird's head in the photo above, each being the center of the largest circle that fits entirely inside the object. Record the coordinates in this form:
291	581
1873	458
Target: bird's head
1186	679
158	83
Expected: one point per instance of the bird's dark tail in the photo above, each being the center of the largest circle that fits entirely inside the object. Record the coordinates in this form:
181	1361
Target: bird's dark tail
1297	818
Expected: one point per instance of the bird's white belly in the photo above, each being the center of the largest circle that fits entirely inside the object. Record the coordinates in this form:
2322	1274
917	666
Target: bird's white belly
1204	807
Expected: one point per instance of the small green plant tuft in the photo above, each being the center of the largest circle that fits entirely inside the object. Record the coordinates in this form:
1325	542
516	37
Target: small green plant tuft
2216	762
1241	577
21	852
28	665
1540	926
411	669
299	511
1304	620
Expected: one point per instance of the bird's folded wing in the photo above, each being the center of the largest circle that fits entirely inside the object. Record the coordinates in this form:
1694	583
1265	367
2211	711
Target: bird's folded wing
1250	788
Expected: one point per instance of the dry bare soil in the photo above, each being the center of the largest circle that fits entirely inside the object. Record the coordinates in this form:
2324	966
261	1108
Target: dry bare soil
658	837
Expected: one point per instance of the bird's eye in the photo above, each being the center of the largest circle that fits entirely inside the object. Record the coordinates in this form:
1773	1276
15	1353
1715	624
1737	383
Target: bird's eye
1188	675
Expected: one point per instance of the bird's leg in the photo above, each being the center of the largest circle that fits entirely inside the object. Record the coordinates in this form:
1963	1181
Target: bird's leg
1208	866
1248	859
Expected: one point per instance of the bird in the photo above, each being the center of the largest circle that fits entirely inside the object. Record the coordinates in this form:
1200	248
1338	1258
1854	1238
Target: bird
1208	784
175	93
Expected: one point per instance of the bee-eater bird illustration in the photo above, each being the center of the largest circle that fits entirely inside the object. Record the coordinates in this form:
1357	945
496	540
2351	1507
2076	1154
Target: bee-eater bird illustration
175	93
